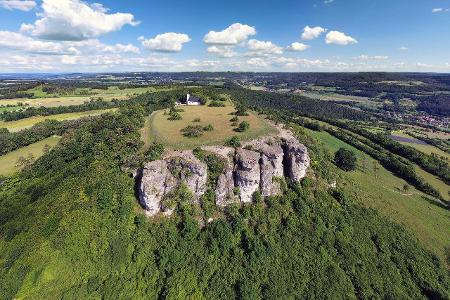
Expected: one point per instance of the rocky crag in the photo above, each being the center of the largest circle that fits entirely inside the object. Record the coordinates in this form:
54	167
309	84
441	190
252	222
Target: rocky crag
258	165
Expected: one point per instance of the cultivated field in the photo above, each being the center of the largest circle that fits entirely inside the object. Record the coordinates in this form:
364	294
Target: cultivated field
18	125
419	145
8	161
79	96
382	190
161	130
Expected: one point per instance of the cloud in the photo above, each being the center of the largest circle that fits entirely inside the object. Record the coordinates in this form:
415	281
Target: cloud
440	9
297	47
232	35
328	1
24	5
339	38
365	57
224	51
75	20
263	47
403	48
166	42
257	62
310	33
17	41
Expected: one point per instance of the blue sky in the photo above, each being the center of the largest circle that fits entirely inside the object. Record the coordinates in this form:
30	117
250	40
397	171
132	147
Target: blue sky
265	35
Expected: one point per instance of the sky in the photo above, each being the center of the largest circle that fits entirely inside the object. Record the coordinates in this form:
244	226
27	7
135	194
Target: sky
54	36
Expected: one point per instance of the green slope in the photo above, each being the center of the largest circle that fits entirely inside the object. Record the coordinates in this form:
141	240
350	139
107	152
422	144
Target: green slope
383	191
71	228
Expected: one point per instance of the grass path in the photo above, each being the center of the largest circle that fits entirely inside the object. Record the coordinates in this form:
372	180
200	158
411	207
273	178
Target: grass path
382	191
8	161
18	125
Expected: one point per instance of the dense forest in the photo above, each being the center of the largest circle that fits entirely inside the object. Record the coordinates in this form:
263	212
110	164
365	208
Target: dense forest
71	227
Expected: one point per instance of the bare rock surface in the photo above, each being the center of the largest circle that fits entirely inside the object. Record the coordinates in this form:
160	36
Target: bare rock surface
296	158
225	184
156	182
248	173
257	165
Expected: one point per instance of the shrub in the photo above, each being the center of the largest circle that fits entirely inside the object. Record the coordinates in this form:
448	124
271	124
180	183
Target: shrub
216	104
233	142
208	128
196	120
192	131
243	126
345	159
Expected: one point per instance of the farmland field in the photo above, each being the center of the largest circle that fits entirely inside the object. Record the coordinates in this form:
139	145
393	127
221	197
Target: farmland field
382	190
168	132
18	125
8	161
79	96
419	145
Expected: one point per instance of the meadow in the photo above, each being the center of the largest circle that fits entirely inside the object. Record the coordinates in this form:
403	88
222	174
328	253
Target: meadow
158	128
79	96
8	161
383	191
14	126
425	148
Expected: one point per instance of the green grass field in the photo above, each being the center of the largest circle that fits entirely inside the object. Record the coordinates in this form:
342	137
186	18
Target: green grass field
428	149
382	191
161	130
18	125
79	96
8	161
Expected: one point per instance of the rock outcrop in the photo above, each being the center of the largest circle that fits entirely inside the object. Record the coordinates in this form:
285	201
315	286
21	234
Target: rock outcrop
296	159
258	165
161	177
247	173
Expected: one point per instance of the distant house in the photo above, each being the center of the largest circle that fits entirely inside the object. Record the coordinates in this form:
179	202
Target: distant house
189	100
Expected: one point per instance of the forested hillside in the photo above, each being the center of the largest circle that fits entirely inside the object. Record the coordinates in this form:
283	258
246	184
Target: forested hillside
71	227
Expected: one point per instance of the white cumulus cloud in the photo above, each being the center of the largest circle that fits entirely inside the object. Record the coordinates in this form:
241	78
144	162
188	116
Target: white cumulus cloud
166	42
24	5
263	47
297	47
224	51
17	41
310	33
339	38
403	48
232	35
75	20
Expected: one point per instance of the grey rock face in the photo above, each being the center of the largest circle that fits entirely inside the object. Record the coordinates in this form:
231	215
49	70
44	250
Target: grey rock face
156	182
297	159
190	171
250	168
247	173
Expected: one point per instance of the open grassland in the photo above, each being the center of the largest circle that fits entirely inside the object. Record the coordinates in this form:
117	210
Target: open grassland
8	161
425	148
79	96
18	125
168	132
381	190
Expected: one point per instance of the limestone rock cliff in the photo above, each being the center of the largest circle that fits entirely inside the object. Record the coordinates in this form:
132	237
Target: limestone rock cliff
257	165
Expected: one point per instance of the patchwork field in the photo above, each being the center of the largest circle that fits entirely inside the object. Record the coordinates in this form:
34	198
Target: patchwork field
160	129
79	96
8	161
18	125
408	140
382	191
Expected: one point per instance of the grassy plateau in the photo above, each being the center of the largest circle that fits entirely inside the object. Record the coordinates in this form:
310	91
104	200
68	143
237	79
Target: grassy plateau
158	128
